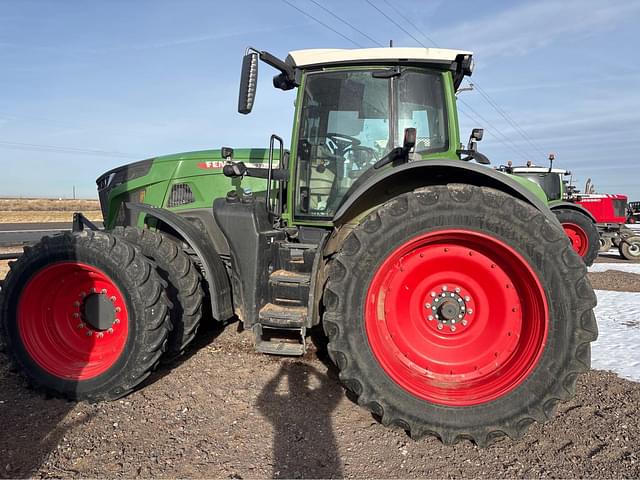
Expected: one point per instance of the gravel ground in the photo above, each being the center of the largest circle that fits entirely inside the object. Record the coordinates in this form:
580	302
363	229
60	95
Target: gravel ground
224	411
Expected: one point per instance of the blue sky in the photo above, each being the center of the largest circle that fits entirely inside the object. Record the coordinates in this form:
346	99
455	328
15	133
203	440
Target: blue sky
134	79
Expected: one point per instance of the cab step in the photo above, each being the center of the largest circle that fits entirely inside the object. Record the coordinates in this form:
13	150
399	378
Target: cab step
280	316
280	341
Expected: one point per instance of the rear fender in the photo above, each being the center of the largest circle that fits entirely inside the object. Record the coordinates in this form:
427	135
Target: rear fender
214	270
375	189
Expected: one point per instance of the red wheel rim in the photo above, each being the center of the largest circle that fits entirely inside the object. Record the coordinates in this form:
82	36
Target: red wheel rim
578	238
456	317
54	327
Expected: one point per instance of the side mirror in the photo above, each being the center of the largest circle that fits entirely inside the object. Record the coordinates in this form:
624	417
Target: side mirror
477	134
226	153
248	82
409	139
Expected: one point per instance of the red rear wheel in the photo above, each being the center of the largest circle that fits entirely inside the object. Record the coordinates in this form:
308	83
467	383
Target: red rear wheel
444	317
459	311
578	238
73	320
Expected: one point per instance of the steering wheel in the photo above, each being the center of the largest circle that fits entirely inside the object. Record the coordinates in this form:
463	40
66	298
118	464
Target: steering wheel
339	138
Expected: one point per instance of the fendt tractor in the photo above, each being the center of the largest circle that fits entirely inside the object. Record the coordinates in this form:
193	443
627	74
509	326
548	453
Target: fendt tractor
593	222
453	302
578	222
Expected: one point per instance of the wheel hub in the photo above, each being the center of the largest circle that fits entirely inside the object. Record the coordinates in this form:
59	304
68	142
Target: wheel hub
98	311
449	306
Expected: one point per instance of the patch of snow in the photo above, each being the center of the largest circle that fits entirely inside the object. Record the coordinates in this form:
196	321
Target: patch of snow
623	267
618	346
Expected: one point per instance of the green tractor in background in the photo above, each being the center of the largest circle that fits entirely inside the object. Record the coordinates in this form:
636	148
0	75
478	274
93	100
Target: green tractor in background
453	302
579	224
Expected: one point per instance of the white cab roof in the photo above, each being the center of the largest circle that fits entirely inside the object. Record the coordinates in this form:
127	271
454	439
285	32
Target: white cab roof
534	169
323	56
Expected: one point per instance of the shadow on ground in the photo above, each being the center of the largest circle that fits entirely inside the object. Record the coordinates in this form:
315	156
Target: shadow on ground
298	402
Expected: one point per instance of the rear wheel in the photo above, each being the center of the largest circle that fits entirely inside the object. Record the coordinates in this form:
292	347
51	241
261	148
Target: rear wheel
630	248
459	311
184	290
582	232
84	315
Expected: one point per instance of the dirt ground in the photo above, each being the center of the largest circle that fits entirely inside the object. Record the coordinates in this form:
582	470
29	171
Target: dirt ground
224	411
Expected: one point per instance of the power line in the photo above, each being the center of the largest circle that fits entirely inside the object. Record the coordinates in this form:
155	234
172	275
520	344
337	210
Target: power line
484	94
322	23
475	120
390	5
505	140
510	120
345	22
60	149
395	23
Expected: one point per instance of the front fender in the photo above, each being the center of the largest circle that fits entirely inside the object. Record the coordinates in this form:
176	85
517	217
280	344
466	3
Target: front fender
378	187
215	273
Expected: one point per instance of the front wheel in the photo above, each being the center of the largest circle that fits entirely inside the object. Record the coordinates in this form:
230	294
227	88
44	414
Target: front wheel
84	316
459	311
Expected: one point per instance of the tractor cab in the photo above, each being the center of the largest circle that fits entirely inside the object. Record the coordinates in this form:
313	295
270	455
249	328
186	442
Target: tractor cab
358	111
551	180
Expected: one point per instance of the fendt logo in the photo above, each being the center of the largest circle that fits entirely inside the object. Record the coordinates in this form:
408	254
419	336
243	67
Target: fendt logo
209	165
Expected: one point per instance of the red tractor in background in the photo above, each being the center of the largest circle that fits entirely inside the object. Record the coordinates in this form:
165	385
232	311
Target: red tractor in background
610	212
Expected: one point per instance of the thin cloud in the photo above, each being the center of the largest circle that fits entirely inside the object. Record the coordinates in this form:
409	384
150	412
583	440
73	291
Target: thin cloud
535	25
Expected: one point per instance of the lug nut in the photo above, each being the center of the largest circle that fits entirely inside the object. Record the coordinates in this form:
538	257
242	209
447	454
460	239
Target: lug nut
467	298
464	322
469	311
457	289
426	305
76	315
103	291
444	288
113	299
116	320
439	326
433	294
430	317
453	328
118	309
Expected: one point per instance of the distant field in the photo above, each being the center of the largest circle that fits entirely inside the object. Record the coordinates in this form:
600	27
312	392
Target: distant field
23	210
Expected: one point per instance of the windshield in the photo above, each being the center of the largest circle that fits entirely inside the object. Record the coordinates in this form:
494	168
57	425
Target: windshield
549	182
351	119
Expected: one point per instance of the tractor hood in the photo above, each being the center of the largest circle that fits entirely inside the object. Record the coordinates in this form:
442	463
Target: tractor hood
148	180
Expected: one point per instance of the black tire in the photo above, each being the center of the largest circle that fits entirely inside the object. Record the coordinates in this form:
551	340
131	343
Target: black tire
540	242
147	324
573	217
630	248
605	244
184	283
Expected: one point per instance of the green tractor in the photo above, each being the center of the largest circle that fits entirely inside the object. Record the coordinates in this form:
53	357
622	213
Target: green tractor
453	302
580	225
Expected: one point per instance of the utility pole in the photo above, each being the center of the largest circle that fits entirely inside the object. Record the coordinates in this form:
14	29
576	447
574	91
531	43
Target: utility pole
74	192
